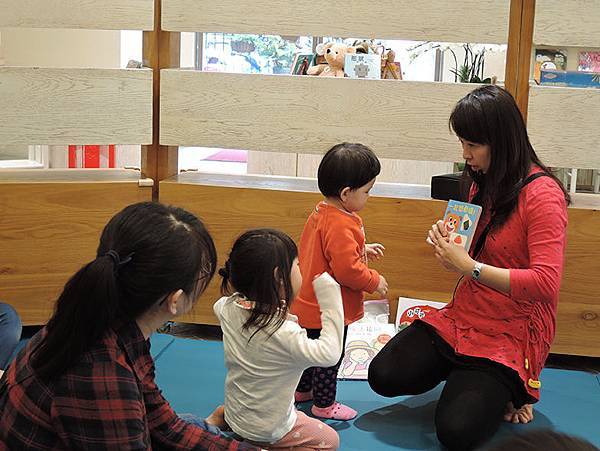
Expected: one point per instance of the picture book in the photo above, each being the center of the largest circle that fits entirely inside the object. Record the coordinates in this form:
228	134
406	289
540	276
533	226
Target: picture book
301	63
363	65
589	61
410	309
570	78
460	221
548	59
363	342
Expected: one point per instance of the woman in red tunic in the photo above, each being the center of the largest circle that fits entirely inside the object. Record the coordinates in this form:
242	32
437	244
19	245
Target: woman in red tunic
491	341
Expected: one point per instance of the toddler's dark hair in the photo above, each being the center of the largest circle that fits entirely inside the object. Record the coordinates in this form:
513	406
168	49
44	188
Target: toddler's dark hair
259	267
347	165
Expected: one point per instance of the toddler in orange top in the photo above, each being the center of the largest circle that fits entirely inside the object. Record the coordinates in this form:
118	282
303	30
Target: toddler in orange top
333	241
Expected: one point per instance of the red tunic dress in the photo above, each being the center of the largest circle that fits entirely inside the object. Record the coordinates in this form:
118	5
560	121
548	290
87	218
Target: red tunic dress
514	329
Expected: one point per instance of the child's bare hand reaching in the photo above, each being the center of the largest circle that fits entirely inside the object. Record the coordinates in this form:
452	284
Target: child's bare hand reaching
382	288
374	251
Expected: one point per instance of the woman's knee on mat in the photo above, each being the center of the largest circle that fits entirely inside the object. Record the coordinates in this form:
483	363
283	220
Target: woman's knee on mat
383	379
457	431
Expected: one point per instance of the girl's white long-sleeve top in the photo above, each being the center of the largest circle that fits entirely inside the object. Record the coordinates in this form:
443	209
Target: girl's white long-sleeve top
263	373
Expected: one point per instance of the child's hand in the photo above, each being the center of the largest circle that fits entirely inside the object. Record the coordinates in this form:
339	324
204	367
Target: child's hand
327	290
382	288
374	251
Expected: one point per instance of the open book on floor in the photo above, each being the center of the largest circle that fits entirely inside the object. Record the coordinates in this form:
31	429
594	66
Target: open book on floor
363	342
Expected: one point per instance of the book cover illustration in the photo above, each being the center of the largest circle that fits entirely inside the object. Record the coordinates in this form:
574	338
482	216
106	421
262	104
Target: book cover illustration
589	61
363	65
363	342
410	309
570	78
301	63
460	221
548	59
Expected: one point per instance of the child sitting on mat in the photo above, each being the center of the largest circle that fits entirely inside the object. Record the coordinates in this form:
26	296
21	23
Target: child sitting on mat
266	350
333	241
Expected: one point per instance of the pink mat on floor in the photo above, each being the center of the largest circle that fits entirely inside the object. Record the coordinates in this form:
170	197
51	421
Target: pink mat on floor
229	155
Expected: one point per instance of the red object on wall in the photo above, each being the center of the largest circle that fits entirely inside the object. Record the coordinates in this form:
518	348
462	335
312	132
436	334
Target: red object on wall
92	156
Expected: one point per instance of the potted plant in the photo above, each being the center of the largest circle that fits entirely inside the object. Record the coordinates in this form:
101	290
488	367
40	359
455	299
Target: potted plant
473	64
471	70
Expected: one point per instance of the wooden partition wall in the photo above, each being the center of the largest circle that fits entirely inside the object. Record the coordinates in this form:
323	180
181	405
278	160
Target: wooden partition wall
566	121
404	120
51	220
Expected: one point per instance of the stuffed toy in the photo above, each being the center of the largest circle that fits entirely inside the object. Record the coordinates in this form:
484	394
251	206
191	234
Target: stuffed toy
335	55
367	47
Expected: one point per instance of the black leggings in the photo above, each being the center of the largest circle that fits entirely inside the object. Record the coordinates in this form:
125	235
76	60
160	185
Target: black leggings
322	381
472	403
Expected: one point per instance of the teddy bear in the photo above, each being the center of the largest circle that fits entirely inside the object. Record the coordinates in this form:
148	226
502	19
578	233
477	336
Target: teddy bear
319	63
335	55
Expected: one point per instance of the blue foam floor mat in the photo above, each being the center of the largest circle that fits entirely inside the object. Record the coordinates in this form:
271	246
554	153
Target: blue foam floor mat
191	374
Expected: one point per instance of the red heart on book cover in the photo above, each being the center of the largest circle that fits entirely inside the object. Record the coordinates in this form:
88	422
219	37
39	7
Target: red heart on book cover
458	239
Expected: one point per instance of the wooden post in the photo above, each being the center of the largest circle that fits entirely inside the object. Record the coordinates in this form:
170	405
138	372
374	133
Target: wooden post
525	45
161	50
518	55
512	51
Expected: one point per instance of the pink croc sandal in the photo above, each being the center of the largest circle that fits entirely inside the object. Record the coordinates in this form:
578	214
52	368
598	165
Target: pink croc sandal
336	411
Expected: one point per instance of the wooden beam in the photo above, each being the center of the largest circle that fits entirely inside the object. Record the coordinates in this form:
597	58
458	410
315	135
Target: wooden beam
70	106
579	24
295	114
563	126
518	55
512	51
101	15
525	45
161	49
425	20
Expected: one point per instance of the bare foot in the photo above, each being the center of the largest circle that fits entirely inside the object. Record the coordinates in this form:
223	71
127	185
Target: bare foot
522	415
217	418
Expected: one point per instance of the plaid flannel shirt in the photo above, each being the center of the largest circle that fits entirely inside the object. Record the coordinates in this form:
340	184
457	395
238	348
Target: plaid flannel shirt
108	400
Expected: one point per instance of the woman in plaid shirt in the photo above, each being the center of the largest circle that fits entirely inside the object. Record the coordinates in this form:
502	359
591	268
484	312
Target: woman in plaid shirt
86	380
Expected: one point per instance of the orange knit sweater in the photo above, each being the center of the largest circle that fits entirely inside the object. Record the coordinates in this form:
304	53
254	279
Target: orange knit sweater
333	241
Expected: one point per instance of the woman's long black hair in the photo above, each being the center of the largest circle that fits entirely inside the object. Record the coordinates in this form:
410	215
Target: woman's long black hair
489	115
146	252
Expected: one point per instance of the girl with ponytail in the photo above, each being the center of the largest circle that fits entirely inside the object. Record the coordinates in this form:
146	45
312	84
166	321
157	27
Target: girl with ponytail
86	380
266	350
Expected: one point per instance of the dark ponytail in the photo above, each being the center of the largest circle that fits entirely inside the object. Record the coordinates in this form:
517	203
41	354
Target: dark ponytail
259	267
146	251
